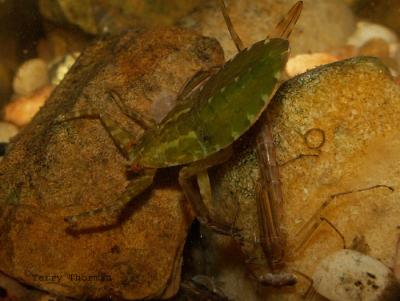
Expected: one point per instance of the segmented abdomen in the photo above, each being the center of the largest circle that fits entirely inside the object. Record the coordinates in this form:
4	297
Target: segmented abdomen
219	113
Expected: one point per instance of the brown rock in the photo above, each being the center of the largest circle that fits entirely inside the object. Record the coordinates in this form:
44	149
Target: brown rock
355	104
53	170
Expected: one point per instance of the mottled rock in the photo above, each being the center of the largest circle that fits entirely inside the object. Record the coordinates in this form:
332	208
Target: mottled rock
254	20
355	104
54	170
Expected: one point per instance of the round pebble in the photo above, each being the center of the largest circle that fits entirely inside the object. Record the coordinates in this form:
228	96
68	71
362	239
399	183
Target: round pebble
350	275
366	31
375	47
21	110
59	68
31	75
7	131
303	62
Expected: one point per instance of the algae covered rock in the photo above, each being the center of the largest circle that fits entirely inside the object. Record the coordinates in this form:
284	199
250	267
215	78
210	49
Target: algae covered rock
355	104
53	170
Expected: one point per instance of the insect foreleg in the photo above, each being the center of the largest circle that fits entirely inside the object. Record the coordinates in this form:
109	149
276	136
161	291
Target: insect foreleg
121	137
200	208
134	188
204	288
196	80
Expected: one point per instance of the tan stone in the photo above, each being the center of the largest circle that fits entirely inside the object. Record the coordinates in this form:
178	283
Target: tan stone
356	104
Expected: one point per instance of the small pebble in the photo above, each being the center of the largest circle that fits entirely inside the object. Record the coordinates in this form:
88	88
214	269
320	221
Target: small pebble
366	31
375	47
303	62
31	75
59	67
350	275
20	111
7	131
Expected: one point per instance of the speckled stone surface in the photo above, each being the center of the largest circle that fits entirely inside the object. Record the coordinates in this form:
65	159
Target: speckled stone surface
54	170
356	104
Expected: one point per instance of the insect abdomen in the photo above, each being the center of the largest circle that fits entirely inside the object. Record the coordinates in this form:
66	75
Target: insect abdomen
232	109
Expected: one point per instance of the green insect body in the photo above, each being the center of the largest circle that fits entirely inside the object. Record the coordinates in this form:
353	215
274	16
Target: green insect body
198	132
217	114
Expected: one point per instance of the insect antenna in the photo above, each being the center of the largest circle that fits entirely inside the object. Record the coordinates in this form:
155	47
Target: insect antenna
286	25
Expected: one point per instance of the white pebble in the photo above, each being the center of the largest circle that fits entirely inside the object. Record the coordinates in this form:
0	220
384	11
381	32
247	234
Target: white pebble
303	62
31	75
350	275
366	31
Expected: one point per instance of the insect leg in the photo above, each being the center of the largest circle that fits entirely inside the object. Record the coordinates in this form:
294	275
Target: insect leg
143	121
396	265
203	288
310	292
122	138
195	198
315	221
269	206
235	37
134	188
196	80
